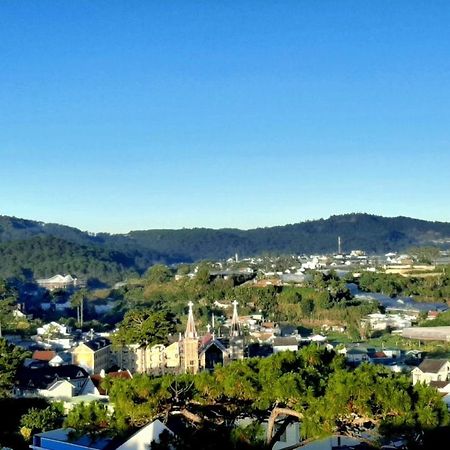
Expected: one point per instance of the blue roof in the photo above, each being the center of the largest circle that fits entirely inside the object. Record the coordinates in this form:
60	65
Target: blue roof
55	440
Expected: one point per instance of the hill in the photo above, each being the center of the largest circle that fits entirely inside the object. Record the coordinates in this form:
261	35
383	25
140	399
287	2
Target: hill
45	249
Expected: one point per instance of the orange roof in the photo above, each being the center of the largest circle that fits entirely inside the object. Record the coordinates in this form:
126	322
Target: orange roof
97	378
43	355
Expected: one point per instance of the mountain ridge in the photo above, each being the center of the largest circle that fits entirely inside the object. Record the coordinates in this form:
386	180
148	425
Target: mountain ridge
138	249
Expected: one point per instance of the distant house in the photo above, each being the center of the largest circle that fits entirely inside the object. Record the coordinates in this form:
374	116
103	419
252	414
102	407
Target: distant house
43	355
442	386
57	361
59	382
53	328
62	440
93	355
281	344
57	282
431	370
142	439
356	355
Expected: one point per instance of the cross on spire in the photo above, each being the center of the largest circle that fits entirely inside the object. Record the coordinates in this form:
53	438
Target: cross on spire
190	326
235	325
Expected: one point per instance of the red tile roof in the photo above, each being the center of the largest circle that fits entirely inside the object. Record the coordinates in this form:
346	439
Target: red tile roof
43	355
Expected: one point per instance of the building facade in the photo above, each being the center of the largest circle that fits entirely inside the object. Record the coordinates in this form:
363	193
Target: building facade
94	355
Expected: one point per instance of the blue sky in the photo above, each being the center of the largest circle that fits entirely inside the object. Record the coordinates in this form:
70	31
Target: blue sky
119	115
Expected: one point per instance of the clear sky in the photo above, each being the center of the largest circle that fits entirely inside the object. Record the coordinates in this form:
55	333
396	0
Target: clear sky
119	115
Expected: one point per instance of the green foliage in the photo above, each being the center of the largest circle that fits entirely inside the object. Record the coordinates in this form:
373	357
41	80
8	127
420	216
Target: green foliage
38	420
425	255
46	256
313	382
91	418
52	248
443	320
8	302
13	410
433	288
11	358
144	327
159	273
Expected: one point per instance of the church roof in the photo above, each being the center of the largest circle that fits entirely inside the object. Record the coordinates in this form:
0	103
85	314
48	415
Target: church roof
214	342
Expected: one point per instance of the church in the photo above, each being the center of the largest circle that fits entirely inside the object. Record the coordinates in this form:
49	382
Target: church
197	354
190	353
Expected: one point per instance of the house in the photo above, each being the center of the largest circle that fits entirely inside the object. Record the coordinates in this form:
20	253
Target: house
61	382
356	355
142	439
431	370
58	360
93	355
61	439
43	355
379	321
53	328
57	282
281	344
442	386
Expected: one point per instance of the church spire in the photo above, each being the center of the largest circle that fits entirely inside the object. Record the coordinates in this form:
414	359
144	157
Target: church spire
190	326
235	325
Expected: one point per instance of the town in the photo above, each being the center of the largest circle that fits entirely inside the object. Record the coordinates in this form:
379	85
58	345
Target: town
77	347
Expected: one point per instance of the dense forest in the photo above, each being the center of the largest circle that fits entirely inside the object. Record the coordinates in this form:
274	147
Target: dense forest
51	248
312	386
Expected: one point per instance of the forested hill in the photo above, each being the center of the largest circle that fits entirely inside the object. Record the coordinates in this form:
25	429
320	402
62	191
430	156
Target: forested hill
374	234
115	255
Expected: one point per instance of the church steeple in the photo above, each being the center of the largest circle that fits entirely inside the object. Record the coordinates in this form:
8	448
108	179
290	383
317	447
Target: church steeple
235	325
190	345
190	326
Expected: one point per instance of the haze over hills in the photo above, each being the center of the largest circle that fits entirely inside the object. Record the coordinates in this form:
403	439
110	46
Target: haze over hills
30	248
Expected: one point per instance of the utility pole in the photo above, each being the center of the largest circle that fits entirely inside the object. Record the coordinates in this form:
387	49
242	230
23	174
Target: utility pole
81	310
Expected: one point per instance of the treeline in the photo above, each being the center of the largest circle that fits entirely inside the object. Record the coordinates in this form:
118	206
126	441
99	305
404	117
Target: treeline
374	234
312	385
323	299
431	288
42	257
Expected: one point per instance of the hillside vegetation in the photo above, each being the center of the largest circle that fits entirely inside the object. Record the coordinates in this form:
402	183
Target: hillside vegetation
44	249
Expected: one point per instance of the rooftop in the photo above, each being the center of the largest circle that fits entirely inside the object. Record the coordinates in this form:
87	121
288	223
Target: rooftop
42	377
43	355
64	435
97	343
432	365
284	341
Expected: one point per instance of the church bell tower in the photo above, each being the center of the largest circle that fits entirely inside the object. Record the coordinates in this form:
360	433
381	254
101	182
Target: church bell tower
190	344
236	337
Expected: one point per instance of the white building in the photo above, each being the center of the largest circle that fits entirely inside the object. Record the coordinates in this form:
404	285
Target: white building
431	370
57	282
